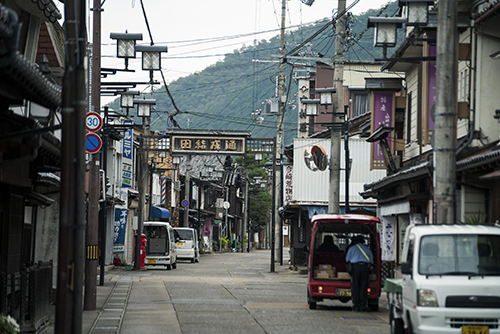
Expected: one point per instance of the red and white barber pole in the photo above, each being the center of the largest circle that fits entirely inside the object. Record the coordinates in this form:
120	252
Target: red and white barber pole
163	190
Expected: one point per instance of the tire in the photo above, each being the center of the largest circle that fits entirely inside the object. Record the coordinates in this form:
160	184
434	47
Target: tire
312	303
373	304
169	267
409	330
397	325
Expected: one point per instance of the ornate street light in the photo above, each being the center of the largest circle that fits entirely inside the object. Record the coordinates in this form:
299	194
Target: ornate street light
176	160
144	107
385	31
127	99
151	56
418	11
125	45
326	95
311	106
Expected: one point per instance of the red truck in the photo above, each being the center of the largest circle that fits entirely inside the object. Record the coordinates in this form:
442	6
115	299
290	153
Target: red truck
331	237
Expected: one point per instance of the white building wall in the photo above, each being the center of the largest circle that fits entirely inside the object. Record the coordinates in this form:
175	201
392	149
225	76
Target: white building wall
412	149
309	186
488	81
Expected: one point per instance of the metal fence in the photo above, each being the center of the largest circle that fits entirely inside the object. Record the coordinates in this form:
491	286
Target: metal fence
26	295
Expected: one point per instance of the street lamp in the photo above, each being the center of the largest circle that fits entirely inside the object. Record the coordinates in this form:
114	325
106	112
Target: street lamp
127	99
151	56
144	107
385	31
418	11
326	95
125	45
311	106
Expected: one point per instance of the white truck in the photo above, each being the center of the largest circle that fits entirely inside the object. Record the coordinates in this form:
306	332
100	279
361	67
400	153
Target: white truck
450	281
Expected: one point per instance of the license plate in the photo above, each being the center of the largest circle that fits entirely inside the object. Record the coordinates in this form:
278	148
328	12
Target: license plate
343	292
180	244
151	261
475	330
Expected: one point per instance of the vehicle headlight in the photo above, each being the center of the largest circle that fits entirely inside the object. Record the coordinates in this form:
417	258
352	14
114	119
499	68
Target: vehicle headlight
427	298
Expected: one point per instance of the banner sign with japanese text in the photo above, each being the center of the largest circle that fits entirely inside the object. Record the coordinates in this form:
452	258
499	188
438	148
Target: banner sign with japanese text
119	230
127	156
287	184
382	115
209	145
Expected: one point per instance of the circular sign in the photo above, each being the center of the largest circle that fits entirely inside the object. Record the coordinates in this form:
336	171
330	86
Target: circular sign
93	142
226	205
93	122
185	203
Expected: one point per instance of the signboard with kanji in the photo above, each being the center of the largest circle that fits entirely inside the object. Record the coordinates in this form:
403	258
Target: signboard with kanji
127	156
208	145
382	115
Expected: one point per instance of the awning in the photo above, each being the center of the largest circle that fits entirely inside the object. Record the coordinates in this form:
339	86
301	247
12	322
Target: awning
157	212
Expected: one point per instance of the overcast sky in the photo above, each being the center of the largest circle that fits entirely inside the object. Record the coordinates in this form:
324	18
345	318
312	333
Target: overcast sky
199	32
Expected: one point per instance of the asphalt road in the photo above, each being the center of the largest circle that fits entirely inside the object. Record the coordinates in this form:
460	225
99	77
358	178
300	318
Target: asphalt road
233	293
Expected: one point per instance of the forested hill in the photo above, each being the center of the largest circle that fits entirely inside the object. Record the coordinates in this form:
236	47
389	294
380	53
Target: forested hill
224	95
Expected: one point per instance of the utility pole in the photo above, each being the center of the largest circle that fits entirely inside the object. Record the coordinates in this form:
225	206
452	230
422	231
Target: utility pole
72	213
445	133
245	216
143	183
187	192
279	136
90	296
335	136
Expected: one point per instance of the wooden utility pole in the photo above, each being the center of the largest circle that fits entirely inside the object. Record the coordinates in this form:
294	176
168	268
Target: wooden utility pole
338	107
279	137
72	212
445	132
94	165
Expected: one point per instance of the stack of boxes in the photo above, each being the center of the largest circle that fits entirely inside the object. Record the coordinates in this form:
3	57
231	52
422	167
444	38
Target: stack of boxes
325	271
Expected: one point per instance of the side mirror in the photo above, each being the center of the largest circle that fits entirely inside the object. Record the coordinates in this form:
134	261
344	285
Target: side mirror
406	268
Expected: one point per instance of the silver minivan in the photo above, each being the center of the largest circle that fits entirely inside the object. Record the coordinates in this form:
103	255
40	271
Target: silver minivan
160	245
187	243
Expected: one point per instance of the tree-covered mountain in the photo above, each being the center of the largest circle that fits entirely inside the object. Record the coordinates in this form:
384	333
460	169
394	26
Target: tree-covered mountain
224	95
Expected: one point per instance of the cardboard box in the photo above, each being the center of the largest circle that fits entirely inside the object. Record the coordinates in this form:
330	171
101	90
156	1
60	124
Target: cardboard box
323	274
343	276
325	267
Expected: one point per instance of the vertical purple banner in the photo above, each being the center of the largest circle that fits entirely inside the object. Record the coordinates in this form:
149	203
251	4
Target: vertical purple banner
382	116
431	88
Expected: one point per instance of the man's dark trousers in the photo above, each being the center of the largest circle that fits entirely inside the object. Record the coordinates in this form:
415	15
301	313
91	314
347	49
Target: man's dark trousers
359	285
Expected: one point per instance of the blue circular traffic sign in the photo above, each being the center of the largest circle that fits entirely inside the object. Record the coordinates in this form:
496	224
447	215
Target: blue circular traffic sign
185	203
93	143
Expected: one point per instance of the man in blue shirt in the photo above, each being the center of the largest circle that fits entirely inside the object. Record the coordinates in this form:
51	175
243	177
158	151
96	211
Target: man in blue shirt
360	256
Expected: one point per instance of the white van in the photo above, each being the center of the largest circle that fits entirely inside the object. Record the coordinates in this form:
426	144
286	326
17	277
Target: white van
160	245
451	281
187	243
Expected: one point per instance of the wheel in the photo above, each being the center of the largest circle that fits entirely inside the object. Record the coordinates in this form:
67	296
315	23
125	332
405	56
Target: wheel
397	325
409	329
373	304
312	303
169	267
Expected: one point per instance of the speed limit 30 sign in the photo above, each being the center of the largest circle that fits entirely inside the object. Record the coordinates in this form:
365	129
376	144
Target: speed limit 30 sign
93	122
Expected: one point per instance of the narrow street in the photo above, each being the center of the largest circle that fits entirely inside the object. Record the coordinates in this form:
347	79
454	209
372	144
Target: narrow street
224	293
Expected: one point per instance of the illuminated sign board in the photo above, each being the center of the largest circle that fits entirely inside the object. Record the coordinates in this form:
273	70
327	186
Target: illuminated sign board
208	145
